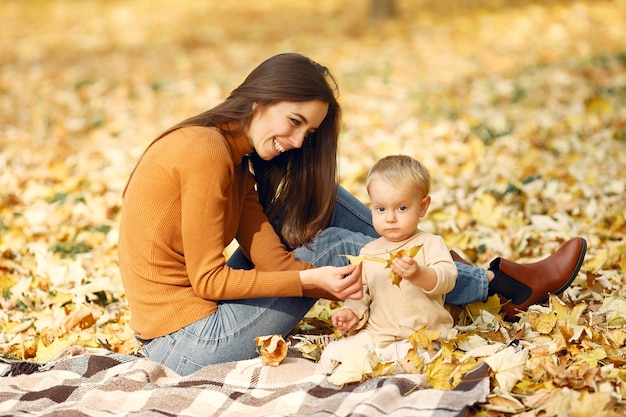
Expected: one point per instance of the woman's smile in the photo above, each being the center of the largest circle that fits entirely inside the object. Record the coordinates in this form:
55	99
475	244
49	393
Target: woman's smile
280	148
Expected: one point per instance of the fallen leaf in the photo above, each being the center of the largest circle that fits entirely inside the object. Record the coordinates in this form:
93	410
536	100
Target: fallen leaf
83	318
355	367
508	366
45	352
440	374
423	339
273	349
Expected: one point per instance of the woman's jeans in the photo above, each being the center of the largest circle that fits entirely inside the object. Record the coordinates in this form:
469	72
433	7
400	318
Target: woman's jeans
229	333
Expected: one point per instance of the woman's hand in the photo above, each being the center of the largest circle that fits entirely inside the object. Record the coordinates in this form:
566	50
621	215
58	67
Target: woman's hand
333	283
344	320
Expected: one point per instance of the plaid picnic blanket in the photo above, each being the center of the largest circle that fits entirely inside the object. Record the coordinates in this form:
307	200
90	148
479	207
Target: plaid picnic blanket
98	383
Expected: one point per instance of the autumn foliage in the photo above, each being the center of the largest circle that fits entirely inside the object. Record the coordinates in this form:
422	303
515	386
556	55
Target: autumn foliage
517	108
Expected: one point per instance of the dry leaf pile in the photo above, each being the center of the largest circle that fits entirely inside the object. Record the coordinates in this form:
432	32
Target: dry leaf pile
517	108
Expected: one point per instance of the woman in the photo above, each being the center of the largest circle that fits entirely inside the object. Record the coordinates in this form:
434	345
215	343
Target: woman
269	151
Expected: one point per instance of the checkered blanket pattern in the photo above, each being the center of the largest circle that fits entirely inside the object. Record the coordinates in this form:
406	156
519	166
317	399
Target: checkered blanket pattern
98	383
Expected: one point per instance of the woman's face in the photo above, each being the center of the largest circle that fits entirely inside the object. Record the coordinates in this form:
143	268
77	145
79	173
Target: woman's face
282	126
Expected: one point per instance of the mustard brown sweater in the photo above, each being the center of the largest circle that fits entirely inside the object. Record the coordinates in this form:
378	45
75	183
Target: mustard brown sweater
188	198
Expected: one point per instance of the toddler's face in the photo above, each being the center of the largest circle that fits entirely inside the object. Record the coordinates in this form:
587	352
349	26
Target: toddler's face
396	212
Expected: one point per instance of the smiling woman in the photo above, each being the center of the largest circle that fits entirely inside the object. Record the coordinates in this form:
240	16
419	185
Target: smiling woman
193	192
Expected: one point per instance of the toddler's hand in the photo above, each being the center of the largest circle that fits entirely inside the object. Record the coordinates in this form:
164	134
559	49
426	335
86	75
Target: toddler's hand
344	320
405	267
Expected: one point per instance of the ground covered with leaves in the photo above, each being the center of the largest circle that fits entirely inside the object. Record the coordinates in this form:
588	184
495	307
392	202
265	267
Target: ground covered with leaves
518	108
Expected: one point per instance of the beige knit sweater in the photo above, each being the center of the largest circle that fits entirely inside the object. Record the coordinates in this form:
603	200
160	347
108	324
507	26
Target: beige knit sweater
390	313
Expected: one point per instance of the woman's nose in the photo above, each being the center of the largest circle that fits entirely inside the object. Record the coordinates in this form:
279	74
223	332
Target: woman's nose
297	139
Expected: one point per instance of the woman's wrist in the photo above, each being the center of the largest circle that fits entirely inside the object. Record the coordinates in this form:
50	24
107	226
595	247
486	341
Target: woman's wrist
307	279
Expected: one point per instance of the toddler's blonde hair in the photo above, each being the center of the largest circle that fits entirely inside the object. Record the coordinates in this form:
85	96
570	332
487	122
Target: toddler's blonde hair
401	171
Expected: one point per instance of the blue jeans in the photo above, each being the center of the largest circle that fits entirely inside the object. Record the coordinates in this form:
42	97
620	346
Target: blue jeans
229	333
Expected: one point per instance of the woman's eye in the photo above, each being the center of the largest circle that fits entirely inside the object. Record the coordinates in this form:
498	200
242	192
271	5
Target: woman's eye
295	122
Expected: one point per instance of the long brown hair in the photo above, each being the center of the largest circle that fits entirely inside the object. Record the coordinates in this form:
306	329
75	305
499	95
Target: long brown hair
298	188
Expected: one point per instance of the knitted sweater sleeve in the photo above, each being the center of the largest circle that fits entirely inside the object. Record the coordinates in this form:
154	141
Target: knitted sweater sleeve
436	255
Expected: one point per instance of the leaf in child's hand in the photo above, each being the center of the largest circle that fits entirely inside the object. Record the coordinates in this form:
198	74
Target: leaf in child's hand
410	252
395	278
356	260
272	349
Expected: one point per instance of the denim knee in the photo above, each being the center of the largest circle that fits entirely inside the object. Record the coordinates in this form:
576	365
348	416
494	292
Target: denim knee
328	247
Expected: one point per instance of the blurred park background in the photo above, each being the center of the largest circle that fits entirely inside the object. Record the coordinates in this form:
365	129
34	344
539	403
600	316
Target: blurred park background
490	94
517	107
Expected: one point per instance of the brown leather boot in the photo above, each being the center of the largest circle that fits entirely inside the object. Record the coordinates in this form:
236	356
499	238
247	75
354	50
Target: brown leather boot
457	258
537	280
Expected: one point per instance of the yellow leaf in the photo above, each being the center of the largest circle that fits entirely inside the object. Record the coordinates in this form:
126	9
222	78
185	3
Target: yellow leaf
508	366
439	374
356	260
614	309
617	337
591	358
598	105
412	363
384	369
272	349
61	298
47	352
462	369
16	327
6	281
356	366
395	279
486	210
559	308
505	403
410	252
82	318
422	339
544	323
492	305
598	261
